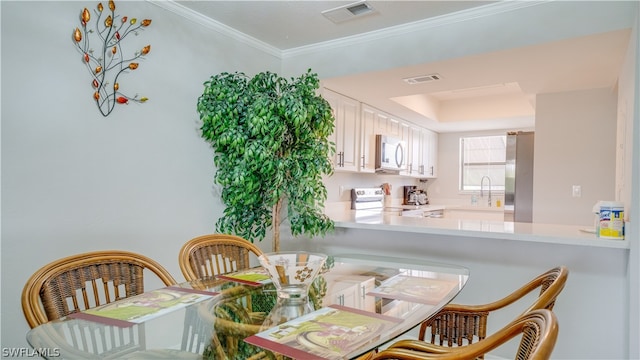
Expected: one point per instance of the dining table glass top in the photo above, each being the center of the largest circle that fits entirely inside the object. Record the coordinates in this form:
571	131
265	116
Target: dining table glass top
358	303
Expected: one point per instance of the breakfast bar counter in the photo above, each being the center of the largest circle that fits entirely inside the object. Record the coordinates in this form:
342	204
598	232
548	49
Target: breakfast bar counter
501	255
529	232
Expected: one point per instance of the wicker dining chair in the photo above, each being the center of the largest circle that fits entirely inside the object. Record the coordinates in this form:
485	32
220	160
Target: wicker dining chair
86	280
215	254
538	328
459	325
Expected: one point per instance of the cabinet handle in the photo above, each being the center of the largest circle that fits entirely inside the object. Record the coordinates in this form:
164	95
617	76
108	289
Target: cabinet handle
432	170
410	168
363	161
341	158
364	290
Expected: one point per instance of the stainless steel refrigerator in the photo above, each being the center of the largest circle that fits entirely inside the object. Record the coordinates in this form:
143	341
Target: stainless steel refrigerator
518	182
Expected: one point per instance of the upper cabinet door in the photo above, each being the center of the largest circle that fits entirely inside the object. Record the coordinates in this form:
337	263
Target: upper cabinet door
368	130
346	135
430	154
416	152
351	134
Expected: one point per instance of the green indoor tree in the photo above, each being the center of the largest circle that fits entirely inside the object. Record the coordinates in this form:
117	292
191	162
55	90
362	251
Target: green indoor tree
271	141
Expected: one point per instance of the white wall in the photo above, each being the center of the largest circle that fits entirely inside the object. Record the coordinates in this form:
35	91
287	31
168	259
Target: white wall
575	144
628	175
73	181
632	162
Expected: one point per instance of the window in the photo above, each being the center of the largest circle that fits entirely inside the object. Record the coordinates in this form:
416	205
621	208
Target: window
482	156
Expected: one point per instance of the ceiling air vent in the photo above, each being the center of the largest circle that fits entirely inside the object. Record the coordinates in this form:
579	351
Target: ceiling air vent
422	79
348	12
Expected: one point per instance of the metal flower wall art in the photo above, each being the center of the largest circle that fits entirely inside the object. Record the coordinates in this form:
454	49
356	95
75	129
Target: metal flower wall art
106	61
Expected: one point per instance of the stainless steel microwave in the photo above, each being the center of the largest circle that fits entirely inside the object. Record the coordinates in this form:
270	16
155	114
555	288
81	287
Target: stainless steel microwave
390	154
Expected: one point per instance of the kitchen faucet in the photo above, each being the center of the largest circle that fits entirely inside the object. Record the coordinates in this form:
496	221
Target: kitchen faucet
482	187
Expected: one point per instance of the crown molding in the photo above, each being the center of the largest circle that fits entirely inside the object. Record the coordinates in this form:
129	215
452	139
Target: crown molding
420	25
464	15
219	27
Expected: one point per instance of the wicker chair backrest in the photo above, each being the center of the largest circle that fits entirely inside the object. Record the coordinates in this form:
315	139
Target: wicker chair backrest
84	281
215	254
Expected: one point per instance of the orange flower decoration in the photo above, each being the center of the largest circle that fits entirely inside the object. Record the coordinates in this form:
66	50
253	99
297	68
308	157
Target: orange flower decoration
77	35
106	69
86	15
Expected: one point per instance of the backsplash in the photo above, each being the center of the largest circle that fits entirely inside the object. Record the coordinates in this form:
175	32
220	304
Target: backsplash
339	185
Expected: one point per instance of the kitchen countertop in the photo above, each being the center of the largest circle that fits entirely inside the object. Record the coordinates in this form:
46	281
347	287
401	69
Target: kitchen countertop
531	232
474	208
427	207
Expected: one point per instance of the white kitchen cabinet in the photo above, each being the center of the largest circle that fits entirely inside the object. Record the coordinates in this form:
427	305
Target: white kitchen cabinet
341	293
394	128
367	302
430	154
356	126
422	153
346	135
405	134
374	122
415	161
369	127
350	290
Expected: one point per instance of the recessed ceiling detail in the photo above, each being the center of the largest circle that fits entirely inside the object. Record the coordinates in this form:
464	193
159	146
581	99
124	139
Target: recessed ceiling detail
349	12
421	79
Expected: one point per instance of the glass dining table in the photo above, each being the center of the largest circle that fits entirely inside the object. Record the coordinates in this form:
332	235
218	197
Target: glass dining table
359	302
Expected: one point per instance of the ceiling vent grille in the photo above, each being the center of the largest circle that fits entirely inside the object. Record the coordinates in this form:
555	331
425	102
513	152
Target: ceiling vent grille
422	79
348	12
